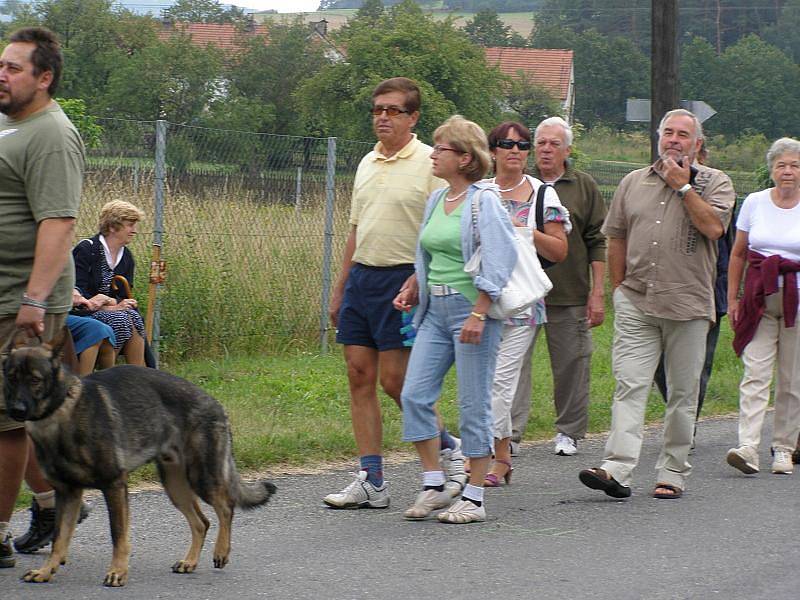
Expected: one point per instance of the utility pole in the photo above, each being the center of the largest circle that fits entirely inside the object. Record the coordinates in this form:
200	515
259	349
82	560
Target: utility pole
663	66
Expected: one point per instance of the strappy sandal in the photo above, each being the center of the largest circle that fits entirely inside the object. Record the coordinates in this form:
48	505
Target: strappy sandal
674	491
493	480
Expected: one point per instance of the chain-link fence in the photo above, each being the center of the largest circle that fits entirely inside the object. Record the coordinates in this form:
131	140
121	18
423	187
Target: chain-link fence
251	227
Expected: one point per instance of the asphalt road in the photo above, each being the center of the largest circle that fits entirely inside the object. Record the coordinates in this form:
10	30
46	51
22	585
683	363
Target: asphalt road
547	536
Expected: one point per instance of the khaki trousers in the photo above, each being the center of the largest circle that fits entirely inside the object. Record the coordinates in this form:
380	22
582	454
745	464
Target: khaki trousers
639	341
773	343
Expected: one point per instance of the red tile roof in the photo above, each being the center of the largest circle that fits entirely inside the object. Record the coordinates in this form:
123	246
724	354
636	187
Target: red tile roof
548	68
225	36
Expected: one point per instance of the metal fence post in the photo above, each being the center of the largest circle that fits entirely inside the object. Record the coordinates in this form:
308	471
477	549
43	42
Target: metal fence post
298	190
330	197
158	222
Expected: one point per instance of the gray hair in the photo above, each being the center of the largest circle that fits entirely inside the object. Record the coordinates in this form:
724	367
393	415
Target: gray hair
558	121
682	112
780	147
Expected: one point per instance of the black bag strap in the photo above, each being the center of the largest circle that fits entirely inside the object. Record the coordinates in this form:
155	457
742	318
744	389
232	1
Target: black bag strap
539	208
539	213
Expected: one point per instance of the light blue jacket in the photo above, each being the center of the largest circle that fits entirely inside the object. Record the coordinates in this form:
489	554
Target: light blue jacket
496	235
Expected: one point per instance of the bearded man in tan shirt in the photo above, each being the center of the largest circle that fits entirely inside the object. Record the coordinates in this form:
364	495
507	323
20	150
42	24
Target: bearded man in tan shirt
662	226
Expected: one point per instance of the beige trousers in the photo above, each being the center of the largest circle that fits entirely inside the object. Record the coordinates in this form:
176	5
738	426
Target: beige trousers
773	344
517	339
639	341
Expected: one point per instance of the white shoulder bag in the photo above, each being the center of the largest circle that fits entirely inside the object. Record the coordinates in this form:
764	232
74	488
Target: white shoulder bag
528	282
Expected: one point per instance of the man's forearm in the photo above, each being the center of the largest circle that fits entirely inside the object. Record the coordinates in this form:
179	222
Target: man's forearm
53	243
598	273
703	216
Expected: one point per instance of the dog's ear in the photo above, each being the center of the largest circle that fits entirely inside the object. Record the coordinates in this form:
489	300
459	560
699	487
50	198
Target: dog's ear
19	339
56	344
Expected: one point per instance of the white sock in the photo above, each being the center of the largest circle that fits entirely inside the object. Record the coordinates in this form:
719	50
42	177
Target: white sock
473	492
5	529
46	499
433	478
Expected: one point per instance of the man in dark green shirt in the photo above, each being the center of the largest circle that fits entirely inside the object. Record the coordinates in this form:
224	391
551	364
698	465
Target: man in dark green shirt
575	304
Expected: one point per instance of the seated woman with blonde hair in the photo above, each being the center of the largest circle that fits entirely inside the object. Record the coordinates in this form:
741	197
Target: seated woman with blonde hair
98	260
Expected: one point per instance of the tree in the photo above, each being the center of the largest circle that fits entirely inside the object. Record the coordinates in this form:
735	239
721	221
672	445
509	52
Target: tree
757	89
451	71
699	69
173	80
785	33
203	11
531	103
259	76
85	123
486	29
608	71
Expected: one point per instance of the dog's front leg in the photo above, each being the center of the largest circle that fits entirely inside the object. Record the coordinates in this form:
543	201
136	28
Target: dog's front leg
68	505
119	519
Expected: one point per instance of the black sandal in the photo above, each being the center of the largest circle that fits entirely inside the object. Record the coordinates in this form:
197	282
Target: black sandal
592	478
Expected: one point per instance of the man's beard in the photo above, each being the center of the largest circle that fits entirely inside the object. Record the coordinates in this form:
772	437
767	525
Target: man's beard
15	105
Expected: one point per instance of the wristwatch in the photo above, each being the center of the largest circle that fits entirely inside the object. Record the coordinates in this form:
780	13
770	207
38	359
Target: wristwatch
684	190
479	316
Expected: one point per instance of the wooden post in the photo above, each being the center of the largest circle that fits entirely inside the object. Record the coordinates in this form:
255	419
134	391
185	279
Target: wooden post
663	66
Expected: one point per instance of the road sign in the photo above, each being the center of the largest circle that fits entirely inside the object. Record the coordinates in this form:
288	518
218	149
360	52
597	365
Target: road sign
638	109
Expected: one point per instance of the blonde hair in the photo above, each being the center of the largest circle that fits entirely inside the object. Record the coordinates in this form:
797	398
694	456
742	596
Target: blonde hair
115	213
468	137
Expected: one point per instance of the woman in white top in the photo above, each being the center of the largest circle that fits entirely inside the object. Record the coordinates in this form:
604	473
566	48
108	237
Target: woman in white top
510	144
763	318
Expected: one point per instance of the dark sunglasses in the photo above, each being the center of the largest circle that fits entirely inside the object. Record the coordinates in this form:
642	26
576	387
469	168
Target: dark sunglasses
507	144
392	111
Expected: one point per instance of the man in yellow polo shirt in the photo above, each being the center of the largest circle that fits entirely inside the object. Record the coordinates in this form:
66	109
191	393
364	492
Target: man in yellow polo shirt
391	186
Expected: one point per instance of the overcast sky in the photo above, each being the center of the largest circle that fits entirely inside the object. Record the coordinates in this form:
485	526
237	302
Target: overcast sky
284	6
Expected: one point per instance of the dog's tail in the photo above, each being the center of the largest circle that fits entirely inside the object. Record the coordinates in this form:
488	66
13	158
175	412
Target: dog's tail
253	495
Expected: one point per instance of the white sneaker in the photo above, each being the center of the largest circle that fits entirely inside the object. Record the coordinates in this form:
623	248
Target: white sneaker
565	445
453	466
359	494
744	458
782	462
426	502
463	511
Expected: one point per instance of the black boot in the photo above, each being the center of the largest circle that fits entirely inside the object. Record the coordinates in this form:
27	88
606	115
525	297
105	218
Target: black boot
40	531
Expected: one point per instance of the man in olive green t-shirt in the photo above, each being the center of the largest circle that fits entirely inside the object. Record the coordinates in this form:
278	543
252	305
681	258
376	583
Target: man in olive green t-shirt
41	173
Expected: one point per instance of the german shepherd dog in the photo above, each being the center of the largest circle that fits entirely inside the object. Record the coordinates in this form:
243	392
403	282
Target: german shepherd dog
92	432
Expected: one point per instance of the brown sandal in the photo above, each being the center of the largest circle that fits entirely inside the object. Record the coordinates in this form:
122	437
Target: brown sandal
674	491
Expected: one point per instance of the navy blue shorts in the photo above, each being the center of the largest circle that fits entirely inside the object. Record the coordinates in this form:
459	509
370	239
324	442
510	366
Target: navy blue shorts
367	317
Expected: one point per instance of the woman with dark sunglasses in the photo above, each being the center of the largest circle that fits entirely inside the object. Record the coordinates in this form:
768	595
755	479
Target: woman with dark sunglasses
510	145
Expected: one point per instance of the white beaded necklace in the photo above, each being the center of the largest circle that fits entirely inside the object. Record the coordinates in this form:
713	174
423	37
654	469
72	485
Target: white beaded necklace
454	198
512	188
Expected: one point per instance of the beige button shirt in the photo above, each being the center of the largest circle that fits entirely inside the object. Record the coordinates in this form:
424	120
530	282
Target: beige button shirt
670	266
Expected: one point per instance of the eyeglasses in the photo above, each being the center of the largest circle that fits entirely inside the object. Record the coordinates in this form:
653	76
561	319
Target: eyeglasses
507	144
392	111
440	148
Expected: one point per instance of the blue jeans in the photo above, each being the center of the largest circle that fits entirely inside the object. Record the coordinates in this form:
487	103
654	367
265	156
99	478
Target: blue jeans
435	349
